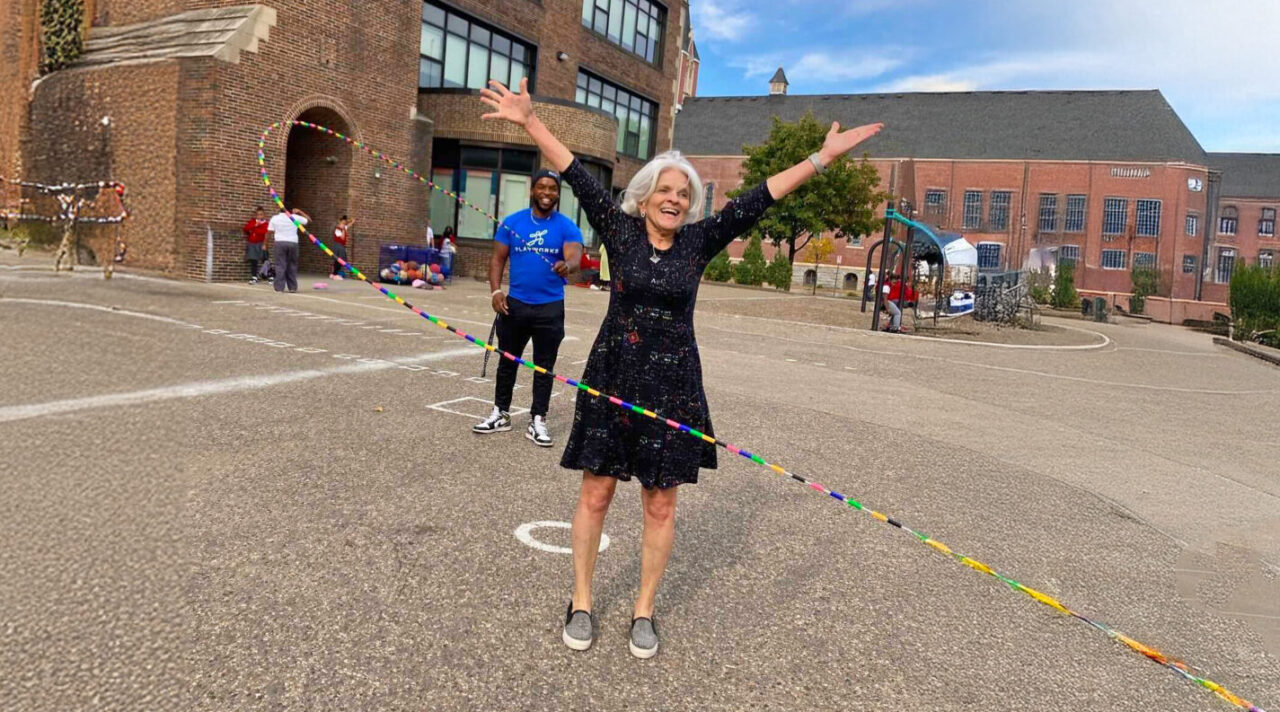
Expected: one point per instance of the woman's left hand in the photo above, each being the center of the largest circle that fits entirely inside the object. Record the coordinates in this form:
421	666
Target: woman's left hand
840	142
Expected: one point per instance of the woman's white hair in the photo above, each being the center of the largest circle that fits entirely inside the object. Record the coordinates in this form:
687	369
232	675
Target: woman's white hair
645	183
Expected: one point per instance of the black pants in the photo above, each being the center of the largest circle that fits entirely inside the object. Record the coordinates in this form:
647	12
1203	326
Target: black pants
544	324
338	251
254	265
285	257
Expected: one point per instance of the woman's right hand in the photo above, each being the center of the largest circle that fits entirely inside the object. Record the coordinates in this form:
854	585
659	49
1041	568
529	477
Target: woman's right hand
516	108
500	302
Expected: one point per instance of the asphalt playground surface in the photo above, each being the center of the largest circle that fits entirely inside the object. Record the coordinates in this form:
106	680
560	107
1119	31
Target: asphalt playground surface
216	497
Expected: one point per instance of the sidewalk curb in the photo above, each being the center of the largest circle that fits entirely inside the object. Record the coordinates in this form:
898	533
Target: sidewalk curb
1265	355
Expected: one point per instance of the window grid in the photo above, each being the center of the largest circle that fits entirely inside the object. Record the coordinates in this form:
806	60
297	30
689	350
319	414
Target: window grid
988	255
710	198
1266	259
1115	216
935	202
1193	225
456	52
1114	259
1075	213
1189	264
1069	253
998	212
1144	259
637	120
1226	265
972	209
635	25
1048	212
1229	221
1148	218
1267	224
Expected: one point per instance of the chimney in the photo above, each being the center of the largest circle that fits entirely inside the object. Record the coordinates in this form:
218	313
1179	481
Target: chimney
778	85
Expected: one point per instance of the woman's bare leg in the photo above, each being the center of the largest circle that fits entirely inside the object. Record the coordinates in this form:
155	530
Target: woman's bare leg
588	521
659	536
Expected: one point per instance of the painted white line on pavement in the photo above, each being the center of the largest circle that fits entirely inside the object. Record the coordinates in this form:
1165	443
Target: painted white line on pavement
398	310
206	388
524	533
98	307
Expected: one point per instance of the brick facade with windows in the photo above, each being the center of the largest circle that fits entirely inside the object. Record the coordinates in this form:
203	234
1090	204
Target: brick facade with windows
1052	176
184	126
1249	200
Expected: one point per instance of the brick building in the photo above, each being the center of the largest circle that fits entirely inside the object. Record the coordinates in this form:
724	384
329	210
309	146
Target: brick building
1246	216
1109	179
170	96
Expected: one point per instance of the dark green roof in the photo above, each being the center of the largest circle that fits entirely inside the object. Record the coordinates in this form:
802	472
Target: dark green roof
1248	175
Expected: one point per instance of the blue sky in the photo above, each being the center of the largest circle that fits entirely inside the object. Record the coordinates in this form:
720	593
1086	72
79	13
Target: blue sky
1218	63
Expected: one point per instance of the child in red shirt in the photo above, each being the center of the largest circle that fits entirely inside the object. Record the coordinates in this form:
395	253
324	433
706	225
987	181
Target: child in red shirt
255	252
341	234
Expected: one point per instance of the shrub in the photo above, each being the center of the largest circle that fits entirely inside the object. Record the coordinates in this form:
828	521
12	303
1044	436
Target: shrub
719	269
778	272
1065	295
1255	303
751	269
1146	281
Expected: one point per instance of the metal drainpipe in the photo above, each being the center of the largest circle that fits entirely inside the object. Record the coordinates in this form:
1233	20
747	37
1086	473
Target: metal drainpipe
1210	217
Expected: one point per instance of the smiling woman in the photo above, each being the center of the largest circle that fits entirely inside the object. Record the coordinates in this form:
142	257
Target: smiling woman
646	351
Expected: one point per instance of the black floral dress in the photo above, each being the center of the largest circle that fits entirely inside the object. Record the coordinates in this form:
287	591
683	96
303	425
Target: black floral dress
646	353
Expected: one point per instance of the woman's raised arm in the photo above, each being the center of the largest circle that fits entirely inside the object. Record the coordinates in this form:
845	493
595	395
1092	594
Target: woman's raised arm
518	109
836	144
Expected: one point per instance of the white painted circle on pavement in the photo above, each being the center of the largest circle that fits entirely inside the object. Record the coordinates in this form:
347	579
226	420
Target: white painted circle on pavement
525	535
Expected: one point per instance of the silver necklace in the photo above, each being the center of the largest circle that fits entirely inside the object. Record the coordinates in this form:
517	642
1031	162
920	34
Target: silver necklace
654	258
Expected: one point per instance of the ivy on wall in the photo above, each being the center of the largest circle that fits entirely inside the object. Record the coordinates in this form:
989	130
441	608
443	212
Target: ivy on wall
62	38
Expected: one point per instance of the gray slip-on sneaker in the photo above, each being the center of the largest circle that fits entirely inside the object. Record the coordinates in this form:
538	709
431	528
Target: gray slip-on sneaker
644	638
579	629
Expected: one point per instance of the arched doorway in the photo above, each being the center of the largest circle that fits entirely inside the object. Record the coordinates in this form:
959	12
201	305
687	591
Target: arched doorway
318	180
810	278
851	281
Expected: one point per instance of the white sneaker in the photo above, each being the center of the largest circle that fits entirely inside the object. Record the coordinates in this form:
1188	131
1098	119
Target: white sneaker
497	422
537	431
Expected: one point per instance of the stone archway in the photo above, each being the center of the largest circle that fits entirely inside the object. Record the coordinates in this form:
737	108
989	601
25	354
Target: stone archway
318	180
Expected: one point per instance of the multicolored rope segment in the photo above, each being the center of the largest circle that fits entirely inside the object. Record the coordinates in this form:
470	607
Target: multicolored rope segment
69	191
1177	666
262	144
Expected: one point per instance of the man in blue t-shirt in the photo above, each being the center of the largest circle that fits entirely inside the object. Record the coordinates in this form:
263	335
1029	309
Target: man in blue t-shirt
545	249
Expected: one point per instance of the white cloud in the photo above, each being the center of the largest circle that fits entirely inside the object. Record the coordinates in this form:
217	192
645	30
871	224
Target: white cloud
826	67
713	19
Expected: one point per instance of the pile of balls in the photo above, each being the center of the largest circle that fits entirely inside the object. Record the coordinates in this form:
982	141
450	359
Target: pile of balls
414	274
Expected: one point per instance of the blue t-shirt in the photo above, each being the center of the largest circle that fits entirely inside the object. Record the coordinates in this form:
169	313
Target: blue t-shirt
532	279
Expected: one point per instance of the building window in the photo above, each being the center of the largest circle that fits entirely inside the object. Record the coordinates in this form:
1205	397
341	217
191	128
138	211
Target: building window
637	116
1048	213
708	198
998	213
1229	221
988	255
570	206
935	202
1193	225
495	180
1115	216
636	25
457	52
1144	259
1069	253
1148	218
1114	259
1267	224
1266	259
1226	265
972	209
1075	213
1189	264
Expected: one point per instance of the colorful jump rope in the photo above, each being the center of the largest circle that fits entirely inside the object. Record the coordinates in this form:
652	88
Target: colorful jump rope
1177	666
67	193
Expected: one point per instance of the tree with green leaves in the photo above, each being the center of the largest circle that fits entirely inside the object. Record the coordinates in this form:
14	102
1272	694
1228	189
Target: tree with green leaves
751	269
719	269
843	200
1065	295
